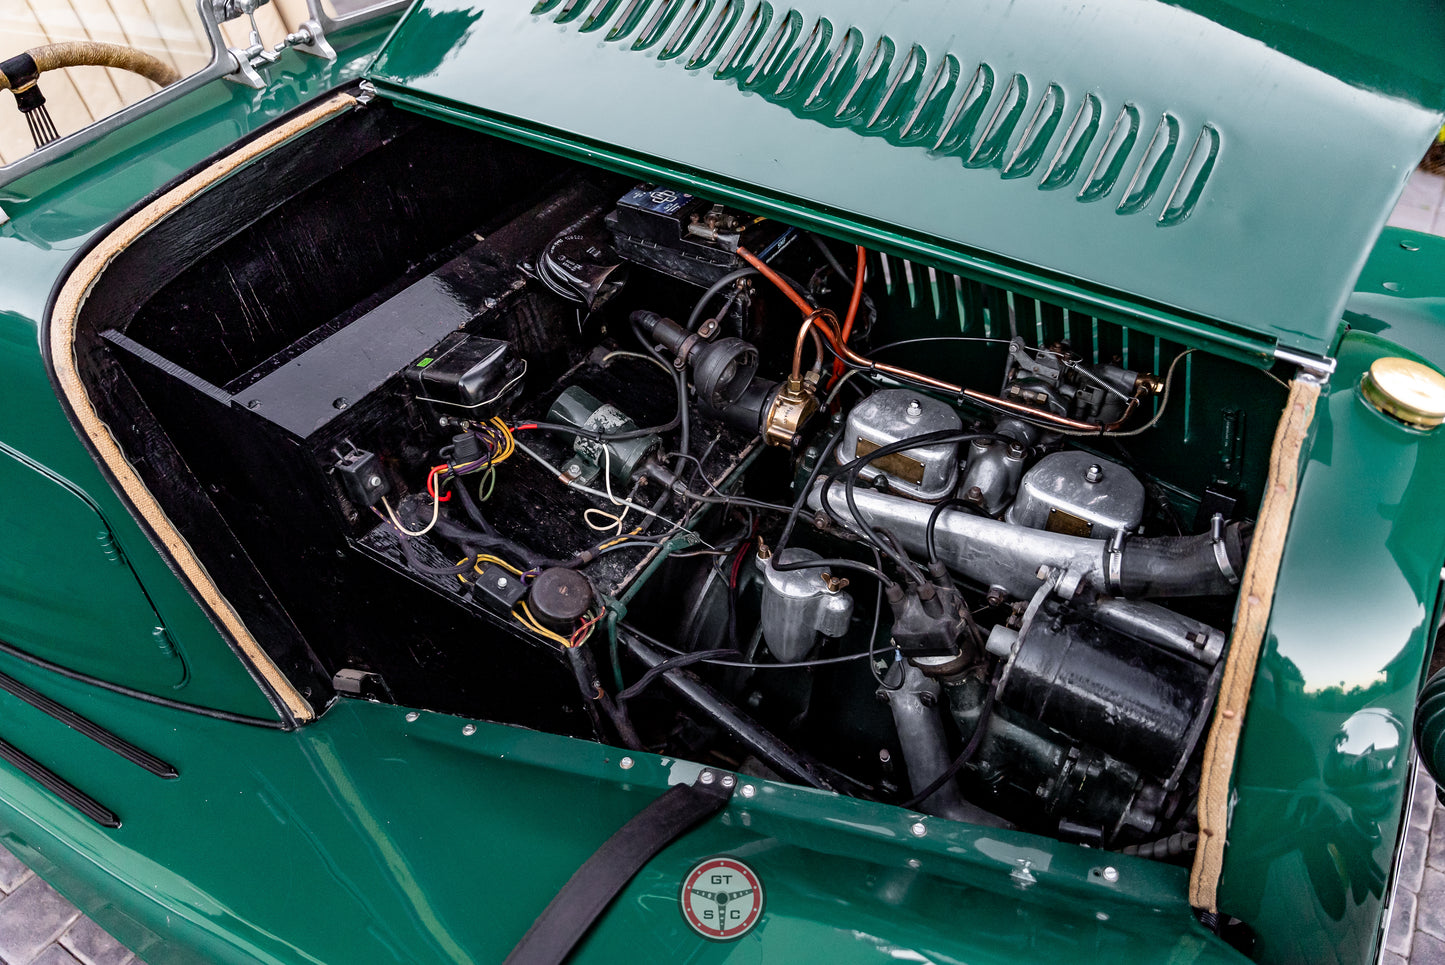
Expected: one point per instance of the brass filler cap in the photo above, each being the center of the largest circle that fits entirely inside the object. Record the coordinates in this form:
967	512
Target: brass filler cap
1406	390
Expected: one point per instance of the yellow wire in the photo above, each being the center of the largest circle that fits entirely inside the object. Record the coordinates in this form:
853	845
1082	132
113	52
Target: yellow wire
485	558
530	622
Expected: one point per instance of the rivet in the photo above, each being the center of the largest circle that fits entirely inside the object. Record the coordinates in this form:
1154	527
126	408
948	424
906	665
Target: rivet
914	863
625	763
748	790
1101	915
469	729
706	777
1409	246
728	780
340	403
412	716
919	829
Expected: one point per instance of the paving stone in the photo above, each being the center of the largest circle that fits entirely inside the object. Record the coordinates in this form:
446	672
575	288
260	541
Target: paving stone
1402	922
12	871
1427	950
93	945
1431	914
1412	859
1422	809
55	955
1390	958
1436	856
32	917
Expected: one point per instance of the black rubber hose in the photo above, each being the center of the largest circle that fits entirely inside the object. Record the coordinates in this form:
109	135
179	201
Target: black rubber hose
1182	565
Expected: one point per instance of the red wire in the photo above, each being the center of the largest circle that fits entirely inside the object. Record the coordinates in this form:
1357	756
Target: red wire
431	483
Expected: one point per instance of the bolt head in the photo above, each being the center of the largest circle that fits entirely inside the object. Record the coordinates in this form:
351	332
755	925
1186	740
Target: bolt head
1094	473
728	780
884	756
919	829
501	582
574	470
1110	874
373	481
412	717
469	729
626	763
747	790
707	777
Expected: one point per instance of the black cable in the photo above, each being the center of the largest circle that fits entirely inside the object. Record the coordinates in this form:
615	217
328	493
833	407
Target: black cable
963	757
933	524
671	663
731	500
712	292
873	635
712	658
807	487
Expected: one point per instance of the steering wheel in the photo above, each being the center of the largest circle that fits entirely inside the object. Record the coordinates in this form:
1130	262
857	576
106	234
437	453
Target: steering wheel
22	75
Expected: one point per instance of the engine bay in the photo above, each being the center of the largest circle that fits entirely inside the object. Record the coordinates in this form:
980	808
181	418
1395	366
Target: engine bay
613	460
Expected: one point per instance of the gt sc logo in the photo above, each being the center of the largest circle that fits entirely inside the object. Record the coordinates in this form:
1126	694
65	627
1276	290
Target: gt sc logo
722	899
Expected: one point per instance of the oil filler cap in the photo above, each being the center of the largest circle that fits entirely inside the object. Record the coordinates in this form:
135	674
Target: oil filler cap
1406	390
558	598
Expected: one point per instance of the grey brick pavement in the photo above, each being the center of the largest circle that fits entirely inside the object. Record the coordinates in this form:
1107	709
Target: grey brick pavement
1415	932
39	927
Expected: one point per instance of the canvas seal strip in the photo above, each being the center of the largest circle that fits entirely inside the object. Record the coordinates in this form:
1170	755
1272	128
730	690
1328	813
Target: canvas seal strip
1256	595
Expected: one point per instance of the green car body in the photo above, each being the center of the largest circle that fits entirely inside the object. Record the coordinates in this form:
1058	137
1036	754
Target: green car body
378	834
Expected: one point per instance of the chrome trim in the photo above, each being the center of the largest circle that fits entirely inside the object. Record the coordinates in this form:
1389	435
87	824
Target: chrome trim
1318	367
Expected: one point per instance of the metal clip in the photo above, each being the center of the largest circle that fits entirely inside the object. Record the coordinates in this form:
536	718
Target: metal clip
1114	563
1221	552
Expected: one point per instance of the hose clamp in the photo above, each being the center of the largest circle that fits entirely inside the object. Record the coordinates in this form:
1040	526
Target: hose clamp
1221	552
1114	564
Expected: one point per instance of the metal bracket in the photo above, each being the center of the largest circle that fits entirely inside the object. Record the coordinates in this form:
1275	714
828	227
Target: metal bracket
309	38
1315	368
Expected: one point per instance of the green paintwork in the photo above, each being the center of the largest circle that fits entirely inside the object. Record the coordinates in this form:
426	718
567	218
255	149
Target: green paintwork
1324	757
368	838
1401	292
67	593
365	837
1142	150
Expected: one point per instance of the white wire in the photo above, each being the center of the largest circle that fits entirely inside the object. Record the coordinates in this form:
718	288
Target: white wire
616	520
436	506
638	355
574	484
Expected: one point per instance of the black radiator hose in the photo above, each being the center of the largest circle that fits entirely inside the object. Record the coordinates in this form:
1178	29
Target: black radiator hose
1164	566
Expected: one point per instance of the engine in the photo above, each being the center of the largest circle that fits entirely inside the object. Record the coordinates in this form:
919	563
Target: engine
638	467
1028	627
